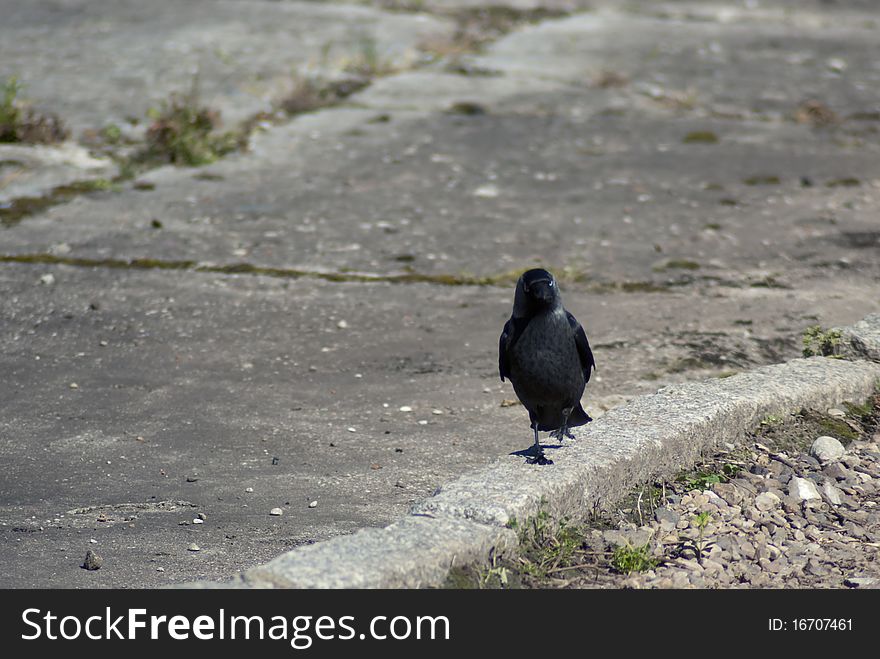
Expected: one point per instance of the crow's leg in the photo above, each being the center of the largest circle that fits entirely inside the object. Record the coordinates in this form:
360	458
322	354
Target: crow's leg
562	432
538	457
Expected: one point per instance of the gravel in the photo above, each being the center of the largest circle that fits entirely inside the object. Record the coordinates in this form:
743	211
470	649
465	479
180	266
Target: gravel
763	514
786	520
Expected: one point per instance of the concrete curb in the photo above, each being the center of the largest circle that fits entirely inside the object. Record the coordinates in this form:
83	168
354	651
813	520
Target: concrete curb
653	435
862	340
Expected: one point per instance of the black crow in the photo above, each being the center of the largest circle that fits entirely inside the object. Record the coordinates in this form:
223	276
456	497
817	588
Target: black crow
545	354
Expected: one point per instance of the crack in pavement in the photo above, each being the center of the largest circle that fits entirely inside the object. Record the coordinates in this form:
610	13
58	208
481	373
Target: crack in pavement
443	279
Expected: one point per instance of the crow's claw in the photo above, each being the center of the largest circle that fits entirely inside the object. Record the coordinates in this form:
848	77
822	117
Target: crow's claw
539	460
562	433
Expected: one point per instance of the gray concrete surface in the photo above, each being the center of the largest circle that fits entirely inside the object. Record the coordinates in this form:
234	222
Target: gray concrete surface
219	317
652	436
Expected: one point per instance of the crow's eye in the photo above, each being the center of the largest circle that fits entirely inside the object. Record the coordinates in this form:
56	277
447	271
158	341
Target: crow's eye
551	283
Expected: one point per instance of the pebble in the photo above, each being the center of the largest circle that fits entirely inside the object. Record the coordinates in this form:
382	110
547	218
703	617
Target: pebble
803	489
342	324
193	547
248	489
667	518
837	471
313	504
92	561
833	495
827	449
47	279
198	521
275	512
405	408
862	582
767	501
487	191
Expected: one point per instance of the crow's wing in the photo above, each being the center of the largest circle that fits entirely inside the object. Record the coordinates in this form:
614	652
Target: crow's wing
513	329
583	346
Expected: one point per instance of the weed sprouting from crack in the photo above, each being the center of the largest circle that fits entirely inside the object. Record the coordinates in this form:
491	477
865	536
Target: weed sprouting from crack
627	559
821	343
22	124
185	132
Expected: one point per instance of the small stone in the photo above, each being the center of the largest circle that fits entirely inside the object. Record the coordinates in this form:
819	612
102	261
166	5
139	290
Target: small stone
196	520
248	489
437	412
667	518
160	569
862	582
680	579
350	429
486	191
405	408
836	64
193	547
631	538
92	561
730	493
313	504
836	471
202	516
48	279
833	495
827	449
342	324
423	422
275	512
767	501
102	343
803	489
839	414
74	385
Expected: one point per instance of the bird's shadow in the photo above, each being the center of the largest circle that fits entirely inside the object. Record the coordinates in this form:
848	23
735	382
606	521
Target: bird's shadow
530	451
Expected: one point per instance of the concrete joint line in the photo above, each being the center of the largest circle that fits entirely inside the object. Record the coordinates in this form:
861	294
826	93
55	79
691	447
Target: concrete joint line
658	434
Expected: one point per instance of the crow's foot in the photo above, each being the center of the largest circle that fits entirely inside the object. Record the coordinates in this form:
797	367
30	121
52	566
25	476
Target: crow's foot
562	433
540	459
535	455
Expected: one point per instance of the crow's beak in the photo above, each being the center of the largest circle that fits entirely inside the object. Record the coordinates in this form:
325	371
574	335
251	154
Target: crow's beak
541	290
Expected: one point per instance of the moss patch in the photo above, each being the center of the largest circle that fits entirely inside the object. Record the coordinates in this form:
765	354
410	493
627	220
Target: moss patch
701	137
13	212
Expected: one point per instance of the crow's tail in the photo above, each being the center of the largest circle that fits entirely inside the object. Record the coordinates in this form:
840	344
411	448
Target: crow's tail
578	417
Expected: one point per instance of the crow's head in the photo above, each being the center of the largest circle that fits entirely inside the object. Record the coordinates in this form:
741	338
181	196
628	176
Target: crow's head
535	290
